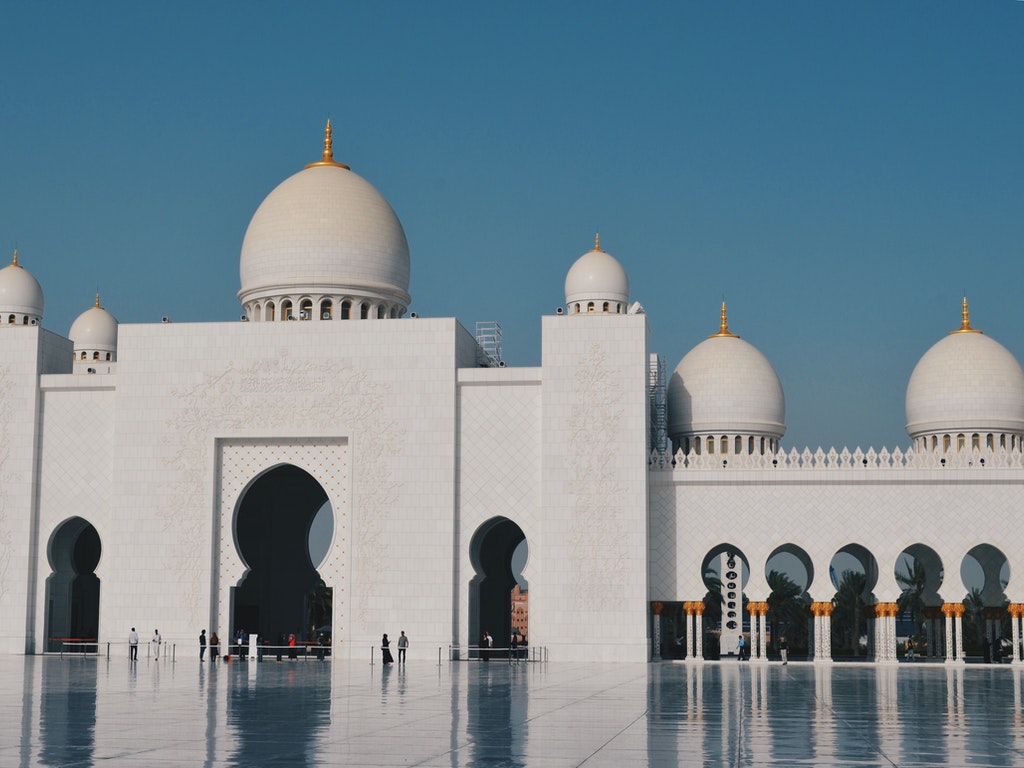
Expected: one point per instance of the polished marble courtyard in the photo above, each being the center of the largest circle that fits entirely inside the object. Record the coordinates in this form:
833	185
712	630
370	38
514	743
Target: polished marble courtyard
78	711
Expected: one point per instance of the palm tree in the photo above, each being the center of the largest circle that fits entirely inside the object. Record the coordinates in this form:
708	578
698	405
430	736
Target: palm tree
713	597
912	579
785	607
848	611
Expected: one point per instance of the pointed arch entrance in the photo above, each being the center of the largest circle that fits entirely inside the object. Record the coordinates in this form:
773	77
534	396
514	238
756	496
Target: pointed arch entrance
73	589
282	592
490	589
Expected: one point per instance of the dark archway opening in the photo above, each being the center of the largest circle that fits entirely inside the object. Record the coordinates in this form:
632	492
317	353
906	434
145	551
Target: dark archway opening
490	601
281	593
73	589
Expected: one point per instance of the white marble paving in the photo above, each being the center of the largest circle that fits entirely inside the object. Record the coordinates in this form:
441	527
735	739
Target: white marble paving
76	712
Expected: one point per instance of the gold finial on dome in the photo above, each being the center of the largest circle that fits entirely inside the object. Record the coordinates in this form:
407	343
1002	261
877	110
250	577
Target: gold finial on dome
14	261
597	242
98	302
723	328
328	156
965	321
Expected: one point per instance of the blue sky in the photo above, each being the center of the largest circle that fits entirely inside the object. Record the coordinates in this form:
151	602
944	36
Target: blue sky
841	174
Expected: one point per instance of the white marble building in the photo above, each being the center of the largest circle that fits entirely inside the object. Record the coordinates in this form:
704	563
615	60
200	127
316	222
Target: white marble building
167	475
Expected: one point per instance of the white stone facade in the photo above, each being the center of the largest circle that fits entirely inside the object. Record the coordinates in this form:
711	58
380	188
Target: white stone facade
435	468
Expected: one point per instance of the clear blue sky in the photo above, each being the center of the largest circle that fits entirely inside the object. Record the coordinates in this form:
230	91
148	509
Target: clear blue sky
841	173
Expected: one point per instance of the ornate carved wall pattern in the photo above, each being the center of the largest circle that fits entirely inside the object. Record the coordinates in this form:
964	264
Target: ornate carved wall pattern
273	395
328	461
597	524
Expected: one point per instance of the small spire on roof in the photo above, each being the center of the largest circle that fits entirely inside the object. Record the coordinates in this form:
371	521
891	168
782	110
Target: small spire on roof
723	328
965	320
15	263
597	242
98	301
328	155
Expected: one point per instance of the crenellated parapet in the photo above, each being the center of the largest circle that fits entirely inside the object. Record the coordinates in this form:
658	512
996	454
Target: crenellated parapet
857	460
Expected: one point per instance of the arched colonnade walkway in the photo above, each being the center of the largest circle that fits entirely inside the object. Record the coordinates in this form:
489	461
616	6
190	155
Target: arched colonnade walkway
868	611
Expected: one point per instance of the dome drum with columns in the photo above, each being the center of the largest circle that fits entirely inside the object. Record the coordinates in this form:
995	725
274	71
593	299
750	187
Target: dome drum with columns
94	335
725	398
966	393
596	283
324	245
21	297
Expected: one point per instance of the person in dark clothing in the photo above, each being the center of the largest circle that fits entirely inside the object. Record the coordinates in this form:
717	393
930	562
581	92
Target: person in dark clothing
385	650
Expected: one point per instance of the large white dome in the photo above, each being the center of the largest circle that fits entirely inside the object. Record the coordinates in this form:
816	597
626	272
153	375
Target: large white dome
95	330
725	386
325	231
21	296
597	278
967	382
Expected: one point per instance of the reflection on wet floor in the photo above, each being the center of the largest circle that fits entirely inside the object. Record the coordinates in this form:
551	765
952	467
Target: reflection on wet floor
84	712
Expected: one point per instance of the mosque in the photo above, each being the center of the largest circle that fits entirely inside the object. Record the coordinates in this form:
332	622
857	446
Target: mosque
168	474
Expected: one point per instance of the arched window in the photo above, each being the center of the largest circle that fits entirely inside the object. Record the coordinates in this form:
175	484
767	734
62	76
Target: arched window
990	441
12	319
577	308
725	445
364	311
750	445
590	306
346	310
961	442
306	309
84	356
1002	441
256	314
739	445
95	355
976	441
394	312
711	445
945	443
108	357
326	309
286	310
762	446
618	309
686	445
381	312
270	311
606	306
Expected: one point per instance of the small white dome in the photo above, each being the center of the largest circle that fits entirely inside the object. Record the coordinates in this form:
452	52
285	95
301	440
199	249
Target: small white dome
95	330
725	386
20	295
597	277
325	231
967	382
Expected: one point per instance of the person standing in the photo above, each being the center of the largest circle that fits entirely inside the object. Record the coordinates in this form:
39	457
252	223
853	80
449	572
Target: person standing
403	643
156	644
784	650
202	645
385	650
910	649
214	647
133	645
740	647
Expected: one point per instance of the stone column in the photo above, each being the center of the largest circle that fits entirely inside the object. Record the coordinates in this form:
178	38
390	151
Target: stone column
885	632
954	630
698	630
822	613
1016	610
757	612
